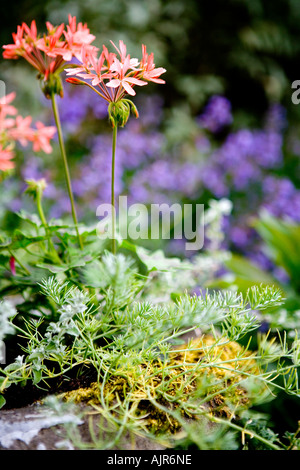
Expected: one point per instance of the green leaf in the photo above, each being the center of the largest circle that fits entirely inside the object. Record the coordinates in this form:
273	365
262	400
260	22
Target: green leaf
33	219
243	275
157	261
61	268
4	259
20	240
282	241
37	376
2	401
248	271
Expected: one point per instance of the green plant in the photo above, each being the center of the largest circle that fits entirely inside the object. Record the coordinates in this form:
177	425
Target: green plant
134	351
281	240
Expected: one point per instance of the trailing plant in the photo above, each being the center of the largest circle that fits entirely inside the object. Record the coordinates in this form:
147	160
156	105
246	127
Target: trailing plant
135	353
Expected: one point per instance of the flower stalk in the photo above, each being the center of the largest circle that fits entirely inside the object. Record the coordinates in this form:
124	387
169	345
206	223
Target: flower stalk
66	166
113	162
36	189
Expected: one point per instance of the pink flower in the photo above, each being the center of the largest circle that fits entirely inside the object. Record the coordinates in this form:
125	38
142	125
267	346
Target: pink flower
19	129
5	107
121	50
52	43
6	155
42	136
91	67
123	80
20	46
49	53
109	56
76	36
149	72
7	110
115	76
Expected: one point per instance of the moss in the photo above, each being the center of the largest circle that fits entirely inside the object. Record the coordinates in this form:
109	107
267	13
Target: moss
158	421
170	383
89	395
232	364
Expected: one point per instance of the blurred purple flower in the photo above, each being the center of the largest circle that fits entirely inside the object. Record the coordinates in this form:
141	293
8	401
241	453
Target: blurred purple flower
281	198
261	260
216	115
240	236
276	119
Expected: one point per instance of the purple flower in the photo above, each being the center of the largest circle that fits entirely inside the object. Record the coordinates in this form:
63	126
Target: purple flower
281	198
216	115
275	119
267	148
259	258
240	236
212	178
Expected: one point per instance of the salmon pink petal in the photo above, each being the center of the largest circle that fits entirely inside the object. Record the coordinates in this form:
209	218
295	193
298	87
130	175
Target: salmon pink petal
135	81
8	98
114	83
128	88
5	159
67	56
96	81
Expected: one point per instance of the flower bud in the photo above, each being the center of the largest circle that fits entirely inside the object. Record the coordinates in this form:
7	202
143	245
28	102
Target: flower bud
35	187
133	107
119	112
12	265
75	81
52	84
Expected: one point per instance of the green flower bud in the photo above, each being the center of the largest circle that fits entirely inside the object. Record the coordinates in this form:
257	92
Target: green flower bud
52	84
35	187
119	112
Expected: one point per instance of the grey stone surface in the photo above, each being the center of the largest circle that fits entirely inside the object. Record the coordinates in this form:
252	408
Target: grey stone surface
36	427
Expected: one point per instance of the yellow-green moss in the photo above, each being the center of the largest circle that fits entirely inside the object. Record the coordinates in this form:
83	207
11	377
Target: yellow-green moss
185	372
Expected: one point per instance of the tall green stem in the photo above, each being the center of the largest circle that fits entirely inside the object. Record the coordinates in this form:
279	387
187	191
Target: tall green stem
115	131
66	166
40	208
45	224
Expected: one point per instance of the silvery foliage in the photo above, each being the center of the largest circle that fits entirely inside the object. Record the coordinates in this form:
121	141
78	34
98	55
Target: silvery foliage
71	302
7	311
213	218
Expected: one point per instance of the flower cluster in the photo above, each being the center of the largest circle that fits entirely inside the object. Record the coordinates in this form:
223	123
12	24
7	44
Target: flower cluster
115	75
14	128
119	74
48	53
